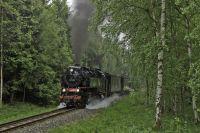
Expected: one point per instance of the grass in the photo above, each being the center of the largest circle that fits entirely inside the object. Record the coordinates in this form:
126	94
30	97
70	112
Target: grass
129	115
20	110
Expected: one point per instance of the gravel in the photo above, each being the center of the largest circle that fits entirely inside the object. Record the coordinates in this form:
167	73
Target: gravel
44	126
80	114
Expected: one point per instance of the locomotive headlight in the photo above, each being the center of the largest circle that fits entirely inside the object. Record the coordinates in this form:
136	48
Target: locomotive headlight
63	90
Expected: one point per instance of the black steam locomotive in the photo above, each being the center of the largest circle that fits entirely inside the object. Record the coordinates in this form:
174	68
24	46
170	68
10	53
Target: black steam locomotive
79	84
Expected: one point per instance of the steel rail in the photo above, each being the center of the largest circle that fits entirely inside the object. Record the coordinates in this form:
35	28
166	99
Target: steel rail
32	119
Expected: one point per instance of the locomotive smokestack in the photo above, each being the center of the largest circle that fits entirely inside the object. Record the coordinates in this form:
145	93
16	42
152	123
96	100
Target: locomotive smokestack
79	22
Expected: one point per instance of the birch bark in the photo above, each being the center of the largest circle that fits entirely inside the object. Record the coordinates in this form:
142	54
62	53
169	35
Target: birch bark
160	67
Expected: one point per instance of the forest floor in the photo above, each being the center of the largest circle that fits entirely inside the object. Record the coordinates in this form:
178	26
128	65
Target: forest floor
130	115
21	110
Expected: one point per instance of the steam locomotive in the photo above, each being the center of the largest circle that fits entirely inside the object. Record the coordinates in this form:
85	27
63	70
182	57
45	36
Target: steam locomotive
79	84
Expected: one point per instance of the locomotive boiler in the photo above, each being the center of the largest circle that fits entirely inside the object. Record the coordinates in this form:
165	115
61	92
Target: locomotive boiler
79	84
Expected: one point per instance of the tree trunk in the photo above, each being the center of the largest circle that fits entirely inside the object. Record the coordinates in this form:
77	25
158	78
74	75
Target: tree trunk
159	89
24	95
175	104
160	69
189	45
1	65
147	83
194	106
12	97
182	101
147	93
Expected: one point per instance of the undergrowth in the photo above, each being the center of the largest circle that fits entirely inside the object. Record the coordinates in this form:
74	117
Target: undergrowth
130	115
20	110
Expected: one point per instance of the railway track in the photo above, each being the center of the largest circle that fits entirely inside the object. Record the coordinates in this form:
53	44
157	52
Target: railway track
32	119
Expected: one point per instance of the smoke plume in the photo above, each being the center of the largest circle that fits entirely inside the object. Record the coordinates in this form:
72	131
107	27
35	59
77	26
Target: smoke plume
79	21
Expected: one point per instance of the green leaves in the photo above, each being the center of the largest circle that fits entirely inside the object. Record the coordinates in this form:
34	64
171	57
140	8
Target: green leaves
194	81
139	20
36	48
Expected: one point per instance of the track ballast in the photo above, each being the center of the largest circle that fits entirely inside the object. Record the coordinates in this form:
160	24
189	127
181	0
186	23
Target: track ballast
32	119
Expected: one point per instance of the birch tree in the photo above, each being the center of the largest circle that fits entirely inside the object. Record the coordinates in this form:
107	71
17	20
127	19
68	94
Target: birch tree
159	88
188	9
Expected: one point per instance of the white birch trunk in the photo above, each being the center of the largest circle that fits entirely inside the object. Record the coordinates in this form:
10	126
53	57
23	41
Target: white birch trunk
160	69
194	106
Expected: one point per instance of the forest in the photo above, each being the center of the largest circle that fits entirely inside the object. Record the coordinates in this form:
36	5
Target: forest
35	38
154	43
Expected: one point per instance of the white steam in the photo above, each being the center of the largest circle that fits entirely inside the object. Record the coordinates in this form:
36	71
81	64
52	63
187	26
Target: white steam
97	104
